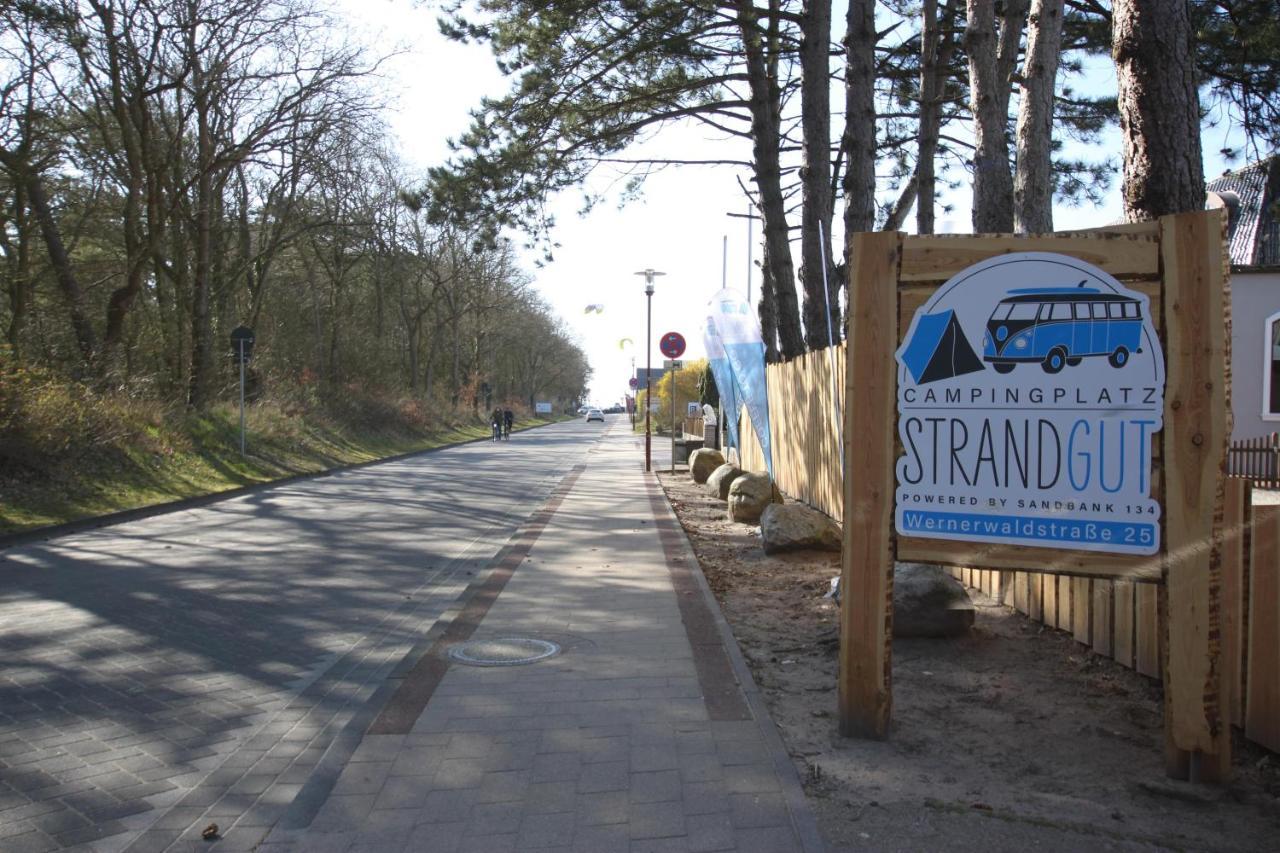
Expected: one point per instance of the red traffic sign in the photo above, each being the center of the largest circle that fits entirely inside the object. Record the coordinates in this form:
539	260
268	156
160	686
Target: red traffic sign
672	345
634	383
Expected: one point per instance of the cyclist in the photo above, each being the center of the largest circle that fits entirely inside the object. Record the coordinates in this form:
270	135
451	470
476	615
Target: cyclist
508	418
495	421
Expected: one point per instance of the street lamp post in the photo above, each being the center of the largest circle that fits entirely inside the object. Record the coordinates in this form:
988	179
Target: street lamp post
649	276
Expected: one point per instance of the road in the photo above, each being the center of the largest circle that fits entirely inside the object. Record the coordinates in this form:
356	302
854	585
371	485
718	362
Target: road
210	657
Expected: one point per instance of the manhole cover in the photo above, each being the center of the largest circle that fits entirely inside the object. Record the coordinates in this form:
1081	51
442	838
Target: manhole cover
505	651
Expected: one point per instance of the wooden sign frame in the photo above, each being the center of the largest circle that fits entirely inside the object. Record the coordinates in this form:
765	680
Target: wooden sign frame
1179	262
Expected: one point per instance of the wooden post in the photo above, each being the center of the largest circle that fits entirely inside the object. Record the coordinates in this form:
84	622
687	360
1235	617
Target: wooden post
1197	726
866	585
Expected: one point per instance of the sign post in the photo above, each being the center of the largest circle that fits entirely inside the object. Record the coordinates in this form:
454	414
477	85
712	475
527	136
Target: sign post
1031	423
242	339
672	346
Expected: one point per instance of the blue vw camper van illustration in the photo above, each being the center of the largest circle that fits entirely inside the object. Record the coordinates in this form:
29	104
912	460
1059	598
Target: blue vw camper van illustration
1058	326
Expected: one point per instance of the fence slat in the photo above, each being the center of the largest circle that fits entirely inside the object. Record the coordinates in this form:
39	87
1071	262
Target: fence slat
1262	696
1124	624
1237	515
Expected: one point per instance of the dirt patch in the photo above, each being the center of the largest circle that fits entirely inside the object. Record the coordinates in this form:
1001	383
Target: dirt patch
1014	737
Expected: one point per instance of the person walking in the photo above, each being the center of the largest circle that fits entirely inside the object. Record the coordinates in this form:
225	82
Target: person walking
508	418
495	421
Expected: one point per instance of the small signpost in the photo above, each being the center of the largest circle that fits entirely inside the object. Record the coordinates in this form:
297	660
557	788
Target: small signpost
672	346
542	408
634	383
242	339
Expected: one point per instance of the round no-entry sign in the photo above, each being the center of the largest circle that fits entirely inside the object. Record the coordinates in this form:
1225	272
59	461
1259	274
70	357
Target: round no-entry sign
672	345
634	383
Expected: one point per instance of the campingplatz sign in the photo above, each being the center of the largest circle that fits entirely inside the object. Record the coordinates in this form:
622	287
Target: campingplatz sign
1030	389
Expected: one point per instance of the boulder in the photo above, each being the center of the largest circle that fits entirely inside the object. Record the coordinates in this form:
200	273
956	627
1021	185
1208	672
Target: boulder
796	527
702	462
927	602
721	479
749	495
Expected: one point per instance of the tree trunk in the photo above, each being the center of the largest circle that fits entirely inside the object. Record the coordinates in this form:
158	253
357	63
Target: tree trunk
860	118
1151	43
768	308
201	324
936	49
19	262
1033	184
990	64
61	263
765	144
815	217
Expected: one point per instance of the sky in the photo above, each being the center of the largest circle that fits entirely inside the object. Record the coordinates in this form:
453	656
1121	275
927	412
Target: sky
680	226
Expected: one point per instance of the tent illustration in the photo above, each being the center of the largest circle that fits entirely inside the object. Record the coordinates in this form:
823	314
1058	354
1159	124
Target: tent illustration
939	349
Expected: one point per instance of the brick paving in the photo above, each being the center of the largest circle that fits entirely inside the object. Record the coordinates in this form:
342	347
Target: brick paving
627	741
195	667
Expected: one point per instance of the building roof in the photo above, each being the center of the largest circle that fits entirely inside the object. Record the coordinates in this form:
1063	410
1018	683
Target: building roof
1251	196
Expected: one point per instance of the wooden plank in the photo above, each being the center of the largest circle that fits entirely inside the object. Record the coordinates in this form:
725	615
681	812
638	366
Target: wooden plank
865	688
1146	652
1019	600
1025	558
1100	614
1064	602
1195	446
938	257
1050	612
1123	632
1262	702
1237	513
1035	597
1081	610
1148	228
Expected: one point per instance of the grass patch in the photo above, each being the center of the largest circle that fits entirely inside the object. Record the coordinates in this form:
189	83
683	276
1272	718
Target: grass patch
67	453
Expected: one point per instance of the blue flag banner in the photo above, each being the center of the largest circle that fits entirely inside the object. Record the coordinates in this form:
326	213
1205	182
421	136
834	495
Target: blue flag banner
723	375
739	334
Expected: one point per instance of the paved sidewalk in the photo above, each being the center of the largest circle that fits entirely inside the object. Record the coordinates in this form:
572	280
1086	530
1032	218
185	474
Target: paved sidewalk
644	734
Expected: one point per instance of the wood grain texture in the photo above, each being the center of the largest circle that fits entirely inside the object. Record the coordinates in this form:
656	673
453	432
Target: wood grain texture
1035	597
866	614
1124	624
1081	605
1195	443
1146	630
1100	617
1023	558
939	257
1237	517
1262	686
1050	613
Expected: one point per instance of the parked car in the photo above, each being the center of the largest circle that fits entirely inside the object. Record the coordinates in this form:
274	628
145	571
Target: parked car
595	415
1059	326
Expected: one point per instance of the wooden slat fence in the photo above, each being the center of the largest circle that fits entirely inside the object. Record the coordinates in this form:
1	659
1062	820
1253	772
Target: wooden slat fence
1256	459
1118	619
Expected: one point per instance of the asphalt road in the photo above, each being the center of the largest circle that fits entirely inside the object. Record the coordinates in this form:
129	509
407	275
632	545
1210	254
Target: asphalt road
200	663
